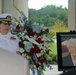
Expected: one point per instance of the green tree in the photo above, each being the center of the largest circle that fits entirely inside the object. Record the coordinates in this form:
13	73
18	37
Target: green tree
48	15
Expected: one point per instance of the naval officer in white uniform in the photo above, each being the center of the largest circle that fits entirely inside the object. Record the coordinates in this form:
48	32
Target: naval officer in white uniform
8	49
8	41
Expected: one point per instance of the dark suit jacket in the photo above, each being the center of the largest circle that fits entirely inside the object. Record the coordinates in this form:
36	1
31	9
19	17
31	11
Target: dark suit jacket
67	61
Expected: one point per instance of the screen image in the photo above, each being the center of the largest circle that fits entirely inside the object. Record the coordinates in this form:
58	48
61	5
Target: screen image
66	50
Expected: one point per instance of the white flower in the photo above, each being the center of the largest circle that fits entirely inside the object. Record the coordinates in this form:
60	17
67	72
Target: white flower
28	57
43	27
21	50
38	54
46	44
31	40
44	37
24	55
44	65
23	37
34	37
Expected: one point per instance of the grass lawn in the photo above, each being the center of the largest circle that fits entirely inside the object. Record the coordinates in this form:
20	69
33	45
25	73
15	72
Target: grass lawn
53	52
53	48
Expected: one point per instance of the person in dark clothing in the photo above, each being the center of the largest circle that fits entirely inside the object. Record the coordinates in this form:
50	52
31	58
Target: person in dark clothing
70	59
67	61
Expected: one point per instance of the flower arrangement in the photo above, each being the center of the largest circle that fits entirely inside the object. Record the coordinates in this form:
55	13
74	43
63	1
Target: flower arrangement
34	43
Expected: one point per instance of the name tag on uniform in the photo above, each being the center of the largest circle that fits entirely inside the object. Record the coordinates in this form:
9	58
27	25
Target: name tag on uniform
12	38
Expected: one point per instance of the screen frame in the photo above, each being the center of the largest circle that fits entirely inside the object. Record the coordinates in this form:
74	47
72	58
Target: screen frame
59	49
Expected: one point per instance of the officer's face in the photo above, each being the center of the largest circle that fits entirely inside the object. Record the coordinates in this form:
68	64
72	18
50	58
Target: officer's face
4	28
72	49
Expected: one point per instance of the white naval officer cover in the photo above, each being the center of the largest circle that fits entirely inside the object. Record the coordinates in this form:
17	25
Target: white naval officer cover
13	64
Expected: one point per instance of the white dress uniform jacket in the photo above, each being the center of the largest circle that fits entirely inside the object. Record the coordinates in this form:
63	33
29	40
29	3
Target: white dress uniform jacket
13	64
9	42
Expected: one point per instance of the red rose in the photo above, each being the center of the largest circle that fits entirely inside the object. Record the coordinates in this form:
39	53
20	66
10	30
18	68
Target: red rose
32	50
47	30
29	54
28	29
37	34
20	44
18	27
42	60
38	50
38	59
30	34
37	65
39	40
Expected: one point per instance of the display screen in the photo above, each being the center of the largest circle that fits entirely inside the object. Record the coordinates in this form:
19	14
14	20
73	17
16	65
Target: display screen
66	50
